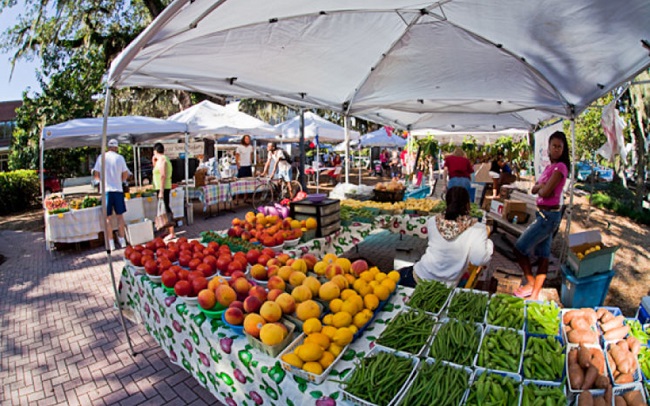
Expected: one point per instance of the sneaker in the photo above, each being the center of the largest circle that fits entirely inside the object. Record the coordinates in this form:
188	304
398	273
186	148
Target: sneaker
111	244
121	241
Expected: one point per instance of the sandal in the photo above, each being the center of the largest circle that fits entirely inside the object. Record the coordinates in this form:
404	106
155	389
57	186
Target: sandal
522	292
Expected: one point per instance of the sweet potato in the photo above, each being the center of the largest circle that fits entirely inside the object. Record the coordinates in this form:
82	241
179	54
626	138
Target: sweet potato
617	334
576	376
586	399
619	401
598	360
623	345
590	378
619	356
624	378
590	314
600	401
633	398
573	356
581	323
568	316
584	357
634	345
610	360
600	312
602	382
609	392
606	317
582	337
613	323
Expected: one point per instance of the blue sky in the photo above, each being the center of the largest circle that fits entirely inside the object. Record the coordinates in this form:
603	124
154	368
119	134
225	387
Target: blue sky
24	74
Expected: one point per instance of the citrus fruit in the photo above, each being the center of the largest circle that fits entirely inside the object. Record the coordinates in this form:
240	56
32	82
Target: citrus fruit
335	349
292	359
380	276
367	276
318	338
312	325
329	331
326	360
381	292
349	307
313	367
347	293
328	319
271	334
371	301
336	305
342	319
309	351
394	275
389	283
343	337
307	310
360	320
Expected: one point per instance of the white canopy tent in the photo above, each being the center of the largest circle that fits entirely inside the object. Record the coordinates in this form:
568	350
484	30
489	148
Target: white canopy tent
210	120
315	126
381	138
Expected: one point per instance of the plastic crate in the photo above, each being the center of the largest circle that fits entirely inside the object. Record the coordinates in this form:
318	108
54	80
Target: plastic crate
479	330
643	313
528	317
440	311
308	376
638	376
523	319
593	263
584	292
457	291
562	373
273	350
575	391
386	196
429	361
564	333
358	401
620	390
541	384
425	346
480	371
419	193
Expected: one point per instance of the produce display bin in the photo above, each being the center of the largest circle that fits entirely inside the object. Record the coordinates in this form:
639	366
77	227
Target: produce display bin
326	213
584	292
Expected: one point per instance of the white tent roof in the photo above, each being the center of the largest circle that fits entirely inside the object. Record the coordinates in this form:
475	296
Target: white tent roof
210	120
315	125
84	132
480	137
380	138
397	60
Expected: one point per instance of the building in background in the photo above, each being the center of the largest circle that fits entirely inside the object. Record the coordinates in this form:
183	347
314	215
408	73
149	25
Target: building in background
7	125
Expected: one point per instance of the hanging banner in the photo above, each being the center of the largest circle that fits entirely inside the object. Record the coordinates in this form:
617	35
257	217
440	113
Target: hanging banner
174	150
613	126
541	147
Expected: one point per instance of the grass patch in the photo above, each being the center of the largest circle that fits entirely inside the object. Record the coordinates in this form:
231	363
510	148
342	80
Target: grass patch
615	197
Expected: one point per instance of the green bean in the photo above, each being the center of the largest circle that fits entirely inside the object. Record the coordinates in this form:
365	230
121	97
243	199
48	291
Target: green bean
379	377
408	331
437	383
468	305
457	342
429	296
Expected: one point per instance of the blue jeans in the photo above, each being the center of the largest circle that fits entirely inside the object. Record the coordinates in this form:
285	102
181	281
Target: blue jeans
539	235
462	182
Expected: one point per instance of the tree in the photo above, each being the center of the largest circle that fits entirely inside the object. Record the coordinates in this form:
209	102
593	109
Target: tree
637	102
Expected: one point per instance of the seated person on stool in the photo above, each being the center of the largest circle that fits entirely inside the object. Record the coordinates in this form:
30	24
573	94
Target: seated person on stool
455	240
501	175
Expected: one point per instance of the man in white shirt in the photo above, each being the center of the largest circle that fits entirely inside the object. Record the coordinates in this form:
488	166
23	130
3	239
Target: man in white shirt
116	173
244	154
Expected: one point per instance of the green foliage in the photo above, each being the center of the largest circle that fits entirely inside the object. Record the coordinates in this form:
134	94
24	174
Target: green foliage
20	189
428	147
617	198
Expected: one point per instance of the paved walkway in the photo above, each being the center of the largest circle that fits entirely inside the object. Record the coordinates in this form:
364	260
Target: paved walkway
61	338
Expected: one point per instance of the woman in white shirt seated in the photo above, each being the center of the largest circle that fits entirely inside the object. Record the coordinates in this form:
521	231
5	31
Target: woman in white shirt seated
455	240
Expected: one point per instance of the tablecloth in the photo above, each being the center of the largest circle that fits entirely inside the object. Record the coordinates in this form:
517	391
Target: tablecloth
74	226
211	194
222	361
404	224
338	242
150	204
244	186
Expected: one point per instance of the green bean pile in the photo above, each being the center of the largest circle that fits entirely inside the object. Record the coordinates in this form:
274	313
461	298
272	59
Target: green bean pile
506	311
543	318
378	378
543	395
493	389
437	384
408	331
429	296
543	359
457	342
501	350
468	305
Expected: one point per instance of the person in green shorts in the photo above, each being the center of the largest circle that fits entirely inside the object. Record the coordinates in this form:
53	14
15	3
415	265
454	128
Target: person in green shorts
162	180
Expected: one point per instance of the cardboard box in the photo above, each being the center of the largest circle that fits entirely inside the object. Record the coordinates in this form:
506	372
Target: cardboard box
597	261
482	173
513	205
496	207
507	282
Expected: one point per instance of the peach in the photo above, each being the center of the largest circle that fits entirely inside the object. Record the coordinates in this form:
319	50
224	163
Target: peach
310	260
332	270
241	286
301	293
207	299
259	292
238	304
237	274
287	303
271	311
234	316
274	262
273	294
253	324
272	271
299	265
359	266
252	304
284	328
275	282
259	272
225	295
283	258
296	278
285	272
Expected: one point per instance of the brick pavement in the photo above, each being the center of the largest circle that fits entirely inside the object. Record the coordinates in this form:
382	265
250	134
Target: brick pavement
61	339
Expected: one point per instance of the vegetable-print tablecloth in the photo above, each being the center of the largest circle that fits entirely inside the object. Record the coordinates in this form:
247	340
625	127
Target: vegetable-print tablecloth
404	224
224	362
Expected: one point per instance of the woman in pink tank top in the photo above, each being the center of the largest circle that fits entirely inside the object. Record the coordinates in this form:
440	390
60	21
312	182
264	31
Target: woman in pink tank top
539	235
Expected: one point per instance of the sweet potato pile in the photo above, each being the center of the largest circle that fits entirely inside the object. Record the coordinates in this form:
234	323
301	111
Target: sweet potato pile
580	326
587	370
622	358
613	327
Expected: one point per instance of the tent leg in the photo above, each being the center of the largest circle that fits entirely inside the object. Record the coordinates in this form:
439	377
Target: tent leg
301	144
565	246
108	232
347	148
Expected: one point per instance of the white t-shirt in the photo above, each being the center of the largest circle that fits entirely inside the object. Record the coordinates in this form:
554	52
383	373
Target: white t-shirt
446	260
245	153
115	166
283	164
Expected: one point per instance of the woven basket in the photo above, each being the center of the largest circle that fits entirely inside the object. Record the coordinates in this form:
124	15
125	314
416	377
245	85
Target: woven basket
199	177
386	196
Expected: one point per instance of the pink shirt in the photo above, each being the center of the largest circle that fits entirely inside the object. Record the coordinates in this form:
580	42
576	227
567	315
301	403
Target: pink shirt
554	198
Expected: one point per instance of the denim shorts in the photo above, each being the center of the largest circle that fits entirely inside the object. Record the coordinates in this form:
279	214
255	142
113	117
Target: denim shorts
539	235
115	201
285	174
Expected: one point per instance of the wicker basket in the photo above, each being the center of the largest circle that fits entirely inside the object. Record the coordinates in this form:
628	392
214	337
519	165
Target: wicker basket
386	196
199	177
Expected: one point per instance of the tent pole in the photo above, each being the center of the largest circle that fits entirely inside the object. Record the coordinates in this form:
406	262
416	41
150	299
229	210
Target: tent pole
138	175
108	231
301	144
571	185
317	167
40	164
347	147
359	163
135	165
187	170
